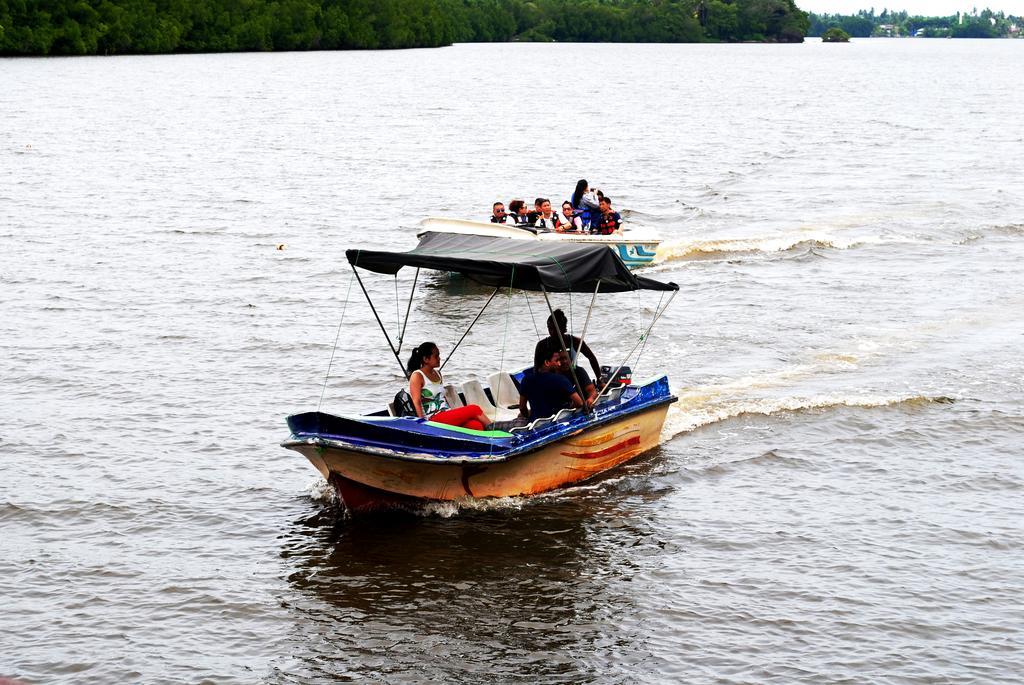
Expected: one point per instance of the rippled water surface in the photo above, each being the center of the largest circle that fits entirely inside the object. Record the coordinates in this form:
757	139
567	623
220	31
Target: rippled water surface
839	494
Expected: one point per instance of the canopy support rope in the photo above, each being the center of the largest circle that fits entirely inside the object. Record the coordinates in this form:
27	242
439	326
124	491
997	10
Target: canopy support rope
643	337
412	291
508	317
536	330
337	336
380	323
479	314
644	345
501	365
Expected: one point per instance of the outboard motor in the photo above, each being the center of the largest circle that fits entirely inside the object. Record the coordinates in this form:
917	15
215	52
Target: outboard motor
622	375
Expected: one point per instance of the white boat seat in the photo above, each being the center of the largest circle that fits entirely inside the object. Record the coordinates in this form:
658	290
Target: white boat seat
540	423
451	396
475	394
391	409
611	394
503	390
563	414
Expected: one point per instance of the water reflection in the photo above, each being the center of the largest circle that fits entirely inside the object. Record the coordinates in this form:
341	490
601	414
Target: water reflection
532	590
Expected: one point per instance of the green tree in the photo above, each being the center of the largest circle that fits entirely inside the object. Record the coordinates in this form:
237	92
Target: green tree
721	21
835	35
72	27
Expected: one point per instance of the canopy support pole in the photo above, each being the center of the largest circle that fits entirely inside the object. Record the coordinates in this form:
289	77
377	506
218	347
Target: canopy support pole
561	340
586	322
380	323
479	314
643	337
412	291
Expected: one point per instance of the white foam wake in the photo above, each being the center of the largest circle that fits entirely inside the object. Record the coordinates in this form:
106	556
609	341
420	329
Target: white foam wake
767	244
696	409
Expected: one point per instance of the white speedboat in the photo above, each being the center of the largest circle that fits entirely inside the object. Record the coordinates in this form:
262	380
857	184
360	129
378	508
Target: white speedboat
634	249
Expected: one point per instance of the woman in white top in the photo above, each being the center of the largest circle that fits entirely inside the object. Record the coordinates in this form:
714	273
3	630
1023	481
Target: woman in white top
426	388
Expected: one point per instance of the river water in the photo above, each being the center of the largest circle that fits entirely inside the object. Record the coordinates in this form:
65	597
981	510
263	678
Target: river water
839	494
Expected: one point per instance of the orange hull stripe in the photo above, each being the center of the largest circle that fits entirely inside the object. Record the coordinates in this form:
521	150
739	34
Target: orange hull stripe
635	440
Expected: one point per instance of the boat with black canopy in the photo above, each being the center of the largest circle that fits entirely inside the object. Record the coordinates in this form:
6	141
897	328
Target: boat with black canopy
382	461
636	247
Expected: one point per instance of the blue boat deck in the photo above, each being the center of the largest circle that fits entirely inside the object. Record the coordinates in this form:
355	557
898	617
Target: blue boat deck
418	439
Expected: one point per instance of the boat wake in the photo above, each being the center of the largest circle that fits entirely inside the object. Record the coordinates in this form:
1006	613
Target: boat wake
833	237
322	491
792	388
469	504
700	408
799	240
984	232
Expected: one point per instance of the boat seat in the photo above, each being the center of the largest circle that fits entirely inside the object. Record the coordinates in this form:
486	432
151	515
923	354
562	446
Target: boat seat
452	396
540	423
475	394
561	415
564	414
391	409
504	390
611	394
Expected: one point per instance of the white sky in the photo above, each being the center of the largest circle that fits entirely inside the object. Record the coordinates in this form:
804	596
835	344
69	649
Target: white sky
928	8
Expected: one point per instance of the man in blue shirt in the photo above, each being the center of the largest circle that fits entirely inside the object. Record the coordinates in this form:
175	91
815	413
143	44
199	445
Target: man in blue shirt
544	389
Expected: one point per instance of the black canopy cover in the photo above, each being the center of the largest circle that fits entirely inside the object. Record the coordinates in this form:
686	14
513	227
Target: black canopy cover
524	264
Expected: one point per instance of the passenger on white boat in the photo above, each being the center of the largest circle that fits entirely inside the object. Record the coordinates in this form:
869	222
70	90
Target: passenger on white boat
517	212
544	390
426	388
570	222
557	322
498	214
610	219
585	203
547	219
533	214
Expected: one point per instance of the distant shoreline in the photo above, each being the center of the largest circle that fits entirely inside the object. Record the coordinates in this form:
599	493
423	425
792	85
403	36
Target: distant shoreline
901	24
131	27
118	27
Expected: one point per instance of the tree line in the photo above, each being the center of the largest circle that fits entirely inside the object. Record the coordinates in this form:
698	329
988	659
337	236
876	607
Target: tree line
114	27
984	24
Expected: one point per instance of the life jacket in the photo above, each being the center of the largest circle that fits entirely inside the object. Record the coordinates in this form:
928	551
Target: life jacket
551	223
608	225
586	215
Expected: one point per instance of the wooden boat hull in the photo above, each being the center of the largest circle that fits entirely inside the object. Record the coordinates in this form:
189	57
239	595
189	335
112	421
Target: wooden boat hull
367	481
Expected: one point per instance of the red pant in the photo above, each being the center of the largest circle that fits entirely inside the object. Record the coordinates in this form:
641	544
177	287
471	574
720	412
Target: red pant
464	417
